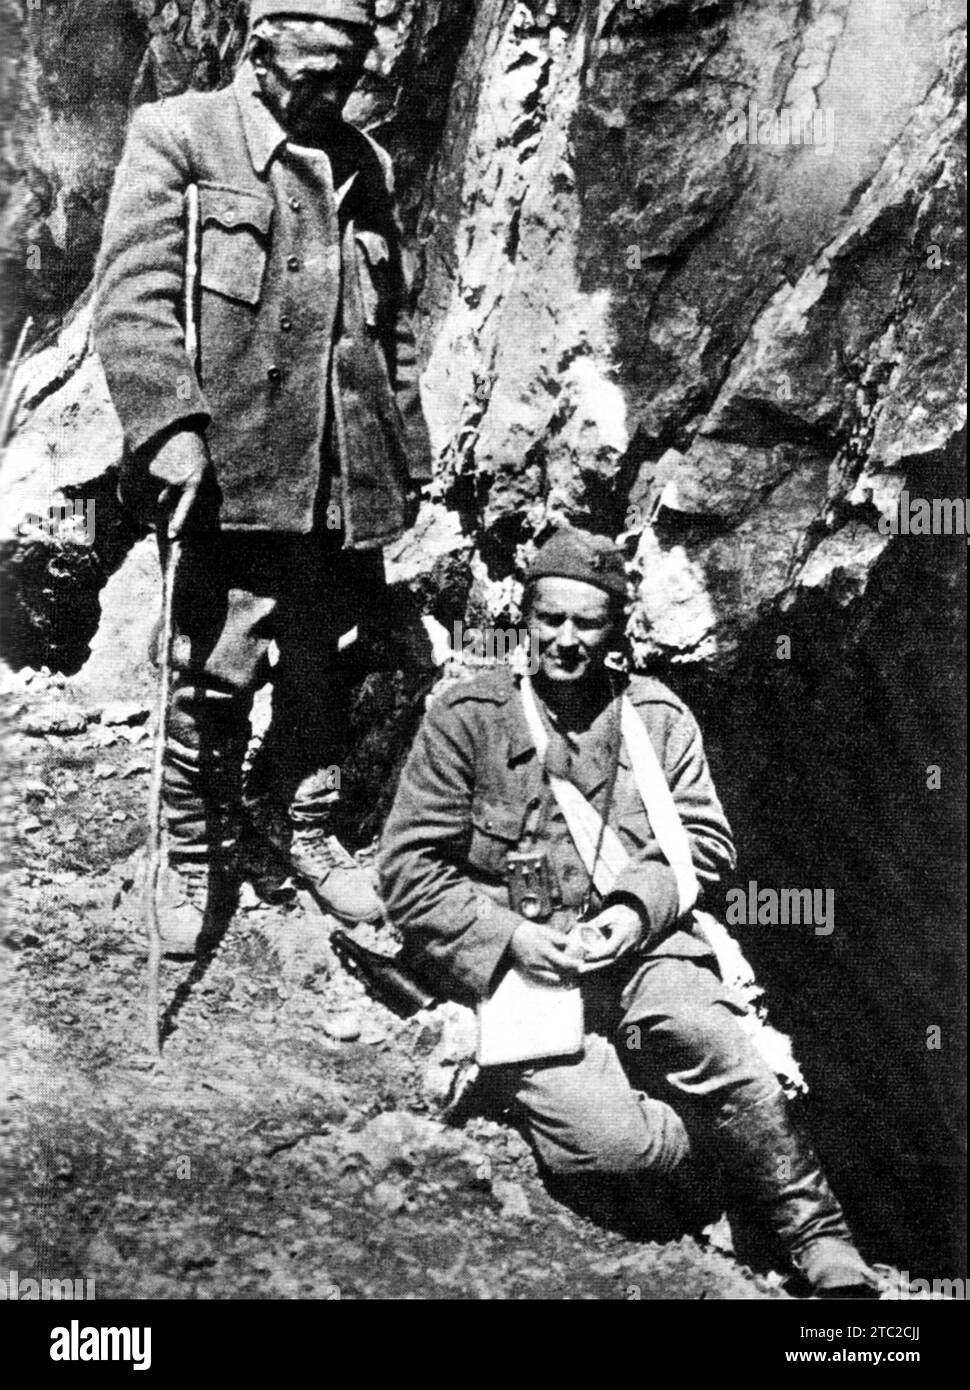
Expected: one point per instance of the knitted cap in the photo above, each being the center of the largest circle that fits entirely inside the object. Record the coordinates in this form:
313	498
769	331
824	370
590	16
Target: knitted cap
350	11
574	554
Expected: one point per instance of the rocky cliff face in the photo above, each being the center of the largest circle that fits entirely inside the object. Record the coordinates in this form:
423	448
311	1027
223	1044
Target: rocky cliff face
688	273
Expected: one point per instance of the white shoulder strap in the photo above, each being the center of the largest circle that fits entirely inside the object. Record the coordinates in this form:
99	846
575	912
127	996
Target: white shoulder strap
659	803
582	820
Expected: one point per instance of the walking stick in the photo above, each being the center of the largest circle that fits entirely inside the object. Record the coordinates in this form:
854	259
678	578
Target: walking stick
155	828
156	846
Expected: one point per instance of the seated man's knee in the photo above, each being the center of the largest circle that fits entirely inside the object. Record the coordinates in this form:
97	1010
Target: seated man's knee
706	1034
619	1150
643	1136
586	1117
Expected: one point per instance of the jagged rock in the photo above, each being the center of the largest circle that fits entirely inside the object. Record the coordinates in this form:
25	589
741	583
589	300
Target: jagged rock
123	712
58	718
452	1054
342	1027
389	1197
119	663
402	1142
513	1200
736	354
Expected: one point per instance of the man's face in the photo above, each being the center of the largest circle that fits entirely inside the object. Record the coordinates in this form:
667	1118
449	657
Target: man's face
310	68
573	627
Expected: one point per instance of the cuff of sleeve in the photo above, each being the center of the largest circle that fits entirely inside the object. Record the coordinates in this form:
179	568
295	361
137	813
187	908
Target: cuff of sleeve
191	424
149	410
484	946
138	489
653	886
150	434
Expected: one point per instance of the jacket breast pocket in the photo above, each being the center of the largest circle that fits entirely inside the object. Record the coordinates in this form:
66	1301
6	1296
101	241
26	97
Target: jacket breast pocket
235	241
374	275
496	831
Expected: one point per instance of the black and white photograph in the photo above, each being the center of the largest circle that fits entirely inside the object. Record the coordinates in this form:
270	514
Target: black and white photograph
483	543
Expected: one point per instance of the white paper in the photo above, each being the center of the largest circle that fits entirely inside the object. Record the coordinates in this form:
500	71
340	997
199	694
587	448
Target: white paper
524	1019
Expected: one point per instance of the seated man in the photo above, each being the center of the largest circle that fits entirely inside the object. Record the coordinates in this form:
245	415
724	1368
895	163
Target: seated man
475	789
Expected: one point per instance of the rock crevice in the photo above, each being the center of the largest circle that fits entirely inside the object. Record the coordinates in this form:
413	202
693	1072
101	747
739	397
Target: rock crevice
641	306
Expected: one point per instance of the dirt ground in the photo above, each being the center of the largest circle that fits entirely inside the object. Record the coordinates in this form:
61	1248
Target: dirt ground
287	1147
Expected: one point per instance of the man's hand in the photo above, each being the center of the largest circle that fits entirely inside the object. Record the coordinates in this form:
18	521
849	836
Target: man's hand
620	928
541	952
181	463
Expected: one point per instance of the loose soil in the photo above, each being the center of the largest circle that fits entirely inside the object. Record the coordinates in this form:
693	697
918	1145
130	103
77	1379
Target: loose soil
263	1158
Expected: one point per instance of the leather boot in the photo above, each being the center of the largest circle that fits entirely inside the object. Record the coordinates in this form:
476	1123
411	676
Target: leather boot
194	907
344	888
205	741
773	1167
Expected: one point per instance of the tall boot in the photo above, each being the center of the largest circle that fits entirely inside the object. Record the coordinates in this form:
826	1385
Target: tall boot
204	745
770	1165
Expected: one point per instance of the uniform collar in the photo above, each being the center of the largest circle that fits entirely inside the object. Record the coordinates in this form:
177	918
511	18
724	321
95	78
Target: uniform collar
264	134
520	739
265	137
589	776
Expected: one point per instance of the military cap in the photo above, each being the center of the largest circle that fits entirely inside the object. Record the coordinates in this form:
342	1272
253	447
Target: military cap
350	11
574	554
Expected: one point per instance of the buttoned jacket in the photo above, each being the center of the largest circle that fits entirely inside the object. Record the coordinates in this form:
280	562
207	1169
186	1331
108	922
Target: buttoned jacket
307	352
473	790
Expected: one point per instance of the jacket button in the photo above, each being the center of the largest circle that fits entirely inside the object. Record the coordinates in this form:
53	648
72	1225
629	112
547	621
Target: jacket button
274	374
286	325
293	262
295	204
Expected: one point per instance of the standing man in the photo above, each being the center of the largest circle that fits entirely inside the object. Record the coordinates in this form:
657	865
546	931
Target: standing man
297	451
477	793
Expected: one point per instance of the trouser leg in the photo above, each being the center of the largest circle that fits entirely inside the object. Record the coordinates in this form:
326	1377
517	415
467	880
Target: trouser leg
679	1036
324	593
311	715
582	1116
327	594
690	1042
222	620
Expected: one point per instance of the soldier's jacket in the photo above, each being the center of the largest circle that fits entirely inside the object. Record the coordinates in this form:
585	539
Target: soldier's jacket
472	790
306	344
